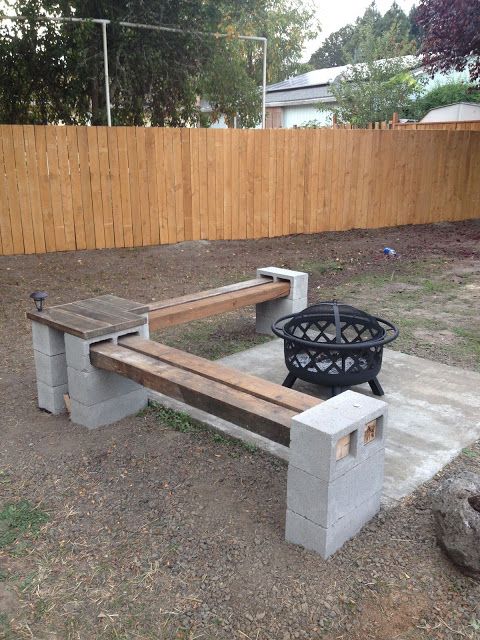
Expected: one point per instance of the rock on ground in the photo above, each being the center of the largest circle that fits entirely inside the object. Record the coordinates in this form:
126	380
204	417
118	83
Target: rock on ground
456	508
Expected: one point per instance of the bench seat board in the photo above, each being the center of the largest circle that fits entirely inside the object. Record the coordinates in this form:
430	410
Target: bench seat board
252	413
181	310
264	389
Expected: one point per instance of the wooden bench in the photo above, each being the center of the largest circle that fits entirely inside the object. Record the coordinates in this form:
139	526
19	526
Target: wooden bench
213	301
258	405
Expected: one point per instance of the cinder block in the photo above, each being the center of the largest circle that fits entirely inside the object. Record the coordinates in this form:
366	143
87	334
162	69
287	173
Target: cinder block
315	433
298	281
268	312
324	502
327	540
91	387
78	350
109	411
47	340
51	398
51	370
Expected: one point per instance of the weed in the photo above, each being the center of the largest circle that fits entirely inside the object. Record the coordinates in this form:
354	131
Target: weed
469	453
320	268
17	519
475	624
182	422
176	420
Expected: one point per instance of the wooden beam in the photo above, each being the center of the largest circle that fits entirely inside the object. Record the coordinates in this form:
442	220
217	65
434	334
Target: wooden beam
241	408
210	293
263	389
204	306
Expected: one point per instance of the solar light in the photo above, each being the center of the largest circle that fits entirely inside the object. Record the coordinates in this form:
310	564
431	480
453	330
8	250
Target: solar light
39	298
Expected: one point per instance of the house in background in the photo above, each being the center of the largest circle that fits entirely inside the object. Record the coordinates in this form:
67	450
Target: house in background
294	102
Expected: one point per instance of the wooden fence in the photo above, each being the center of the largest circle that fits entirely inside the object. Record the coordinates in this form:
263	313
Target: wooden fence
65	188
461	125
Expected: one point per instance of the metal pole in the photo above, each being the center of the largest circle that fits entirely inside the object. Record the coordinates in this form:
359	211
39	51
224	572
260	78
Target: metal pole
264	84
105	68
151	27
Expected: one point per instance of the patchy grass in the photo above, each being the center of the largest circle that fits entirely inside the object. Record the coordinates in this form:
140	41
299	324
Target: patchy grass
19	520
214	337
183	423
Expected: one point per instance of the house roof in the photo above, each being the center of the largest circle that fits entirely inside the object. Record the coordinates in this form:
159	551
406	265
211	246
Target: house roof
320	77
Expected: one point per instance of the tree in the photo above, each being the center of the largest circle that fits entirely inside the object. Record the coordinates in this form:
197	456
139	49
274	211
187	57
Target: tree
441	95
372	90
334	50
54	72
451	35
345	46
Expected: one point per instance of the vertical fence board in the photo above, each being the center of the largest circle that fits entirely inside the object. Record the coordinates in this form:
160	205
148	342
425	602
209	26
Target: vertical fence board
76	188
115	182
5	222
66	188
33	186
86	187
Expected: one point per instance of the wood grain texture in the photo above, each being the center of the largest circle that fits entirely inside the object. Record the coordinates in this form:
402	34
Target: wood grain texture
65	188
269	391
255	414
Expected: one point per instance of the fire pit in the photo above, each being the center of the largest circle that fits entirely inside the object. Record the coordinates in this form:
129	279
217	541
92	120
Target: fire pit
334	345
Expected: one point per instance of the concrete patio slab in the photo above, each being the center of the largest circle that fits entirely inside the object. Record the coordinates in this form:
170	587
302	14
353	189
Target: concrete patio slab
434	410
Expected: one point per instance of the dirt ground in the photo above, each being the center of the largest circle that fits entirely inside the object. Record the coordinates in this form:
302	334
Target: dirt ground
158	529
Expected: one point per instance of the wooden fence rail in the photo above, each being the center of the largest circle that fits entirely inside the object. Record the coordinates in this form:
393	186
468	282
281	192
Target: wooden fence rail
460	125
66	188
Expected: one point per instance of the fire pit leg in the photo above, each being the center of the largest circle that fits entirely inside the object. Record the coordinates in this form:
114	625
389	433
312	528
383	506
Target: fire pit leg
289	381
376	387
336	391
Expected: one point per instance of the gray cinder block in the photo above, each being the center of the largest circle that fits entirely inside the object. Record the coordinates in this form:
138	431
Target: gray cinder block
108	411
325	502
47	340
78	350
325	541
315	433
51	398
92	387
271	310
335	473
51	370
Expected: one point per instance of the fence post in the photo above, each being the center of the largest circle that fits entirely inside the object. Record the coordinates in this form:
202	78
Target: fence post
395	119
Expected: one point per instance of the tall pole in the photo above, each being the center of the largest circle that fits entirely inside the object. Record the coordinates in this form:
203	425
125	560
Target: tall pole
264	82
105	68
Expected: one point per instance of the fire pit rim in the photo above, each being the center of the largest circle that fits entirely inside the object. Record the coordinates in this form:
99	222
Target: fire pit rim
335	346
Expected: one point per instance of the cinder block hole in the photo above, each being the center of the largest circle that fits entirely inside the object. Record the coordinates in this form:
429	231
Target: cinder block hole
370	432
343	448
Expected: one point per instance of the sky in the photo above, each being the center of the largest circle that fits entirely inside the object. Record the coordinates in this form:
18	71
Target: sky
337	13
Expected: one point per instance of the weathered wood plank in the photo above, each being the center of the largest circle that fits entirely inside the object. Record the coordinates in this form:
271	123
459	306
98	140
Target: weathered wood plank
206	307
209	293
275	393
247	411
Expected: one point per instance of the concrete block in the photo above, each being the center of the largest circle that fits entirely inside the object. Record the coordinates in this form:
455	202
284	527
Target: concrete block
51	370
47	340
51	398
78	350
298	281
316	432
325	502
108	411
327	540
91	387
268	312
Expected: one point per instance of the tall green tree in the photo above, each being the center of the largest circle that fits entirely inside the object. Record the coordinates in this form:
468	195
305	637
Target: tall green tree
372	90
54	72
348	44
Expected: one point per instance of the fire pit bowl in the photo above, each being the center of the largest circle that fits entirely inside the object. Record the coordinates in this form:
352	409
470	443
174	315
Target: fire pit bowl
335	345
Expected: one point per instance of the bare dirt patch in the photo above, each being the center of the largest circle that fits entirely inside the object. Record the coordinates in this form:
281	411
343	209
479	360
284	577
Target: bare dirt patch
160	532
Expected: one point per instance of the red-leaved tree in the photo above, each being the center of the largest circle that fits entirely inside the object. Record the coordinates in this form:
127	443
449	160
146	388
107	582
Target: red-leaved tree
451	35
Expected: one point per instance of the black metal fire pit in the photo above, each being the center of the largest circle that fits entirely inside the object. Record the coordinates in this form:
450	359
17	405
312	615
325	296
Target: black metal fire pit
334	345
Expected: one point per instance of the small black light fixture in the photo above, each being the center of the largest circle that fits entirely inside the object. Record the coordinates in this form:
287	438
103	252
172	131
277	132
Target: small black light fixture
39	298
